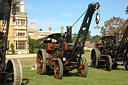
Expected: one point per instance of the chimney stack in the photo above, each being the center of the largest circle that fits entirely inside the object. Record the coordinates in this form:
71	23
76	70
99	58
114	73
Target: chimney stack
22	6
33	25
50	28
62	29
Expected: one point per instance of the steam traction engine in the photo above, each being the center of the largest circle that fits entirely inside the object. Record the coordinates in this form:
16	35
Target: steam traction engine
109	52
10	73
60	54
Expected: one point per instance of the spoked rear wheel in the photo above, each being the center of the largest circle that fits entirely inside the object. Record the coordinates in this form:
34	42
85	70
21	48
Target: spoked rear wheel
83	68
41	63
58	69
108	63
14	72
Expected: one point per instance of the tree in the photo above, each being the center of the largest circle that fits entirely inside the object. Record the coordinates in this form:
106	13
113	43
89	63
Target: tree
40	29
74	36
95	37
89	37
126	10
33	44
12	48
112	26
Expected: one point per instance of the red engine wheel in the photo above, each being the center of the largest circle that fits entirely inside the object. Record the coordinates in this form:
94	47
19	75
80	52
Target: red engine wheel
58	69
83	68
41	63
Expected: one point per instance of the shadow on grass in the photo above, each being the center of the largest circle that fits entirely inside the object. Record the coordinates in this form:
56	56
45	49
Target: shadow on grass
70	74
25	81
104	68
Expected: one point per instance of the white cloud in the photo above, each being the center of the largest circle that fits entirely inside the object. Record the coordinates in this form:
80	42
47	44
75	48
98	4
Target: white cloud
33	9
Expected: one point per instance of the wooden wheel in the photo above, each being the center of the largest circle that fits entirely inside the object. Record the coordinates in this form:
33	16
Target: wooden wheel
108	63
58	69
41	63
83	68
14	72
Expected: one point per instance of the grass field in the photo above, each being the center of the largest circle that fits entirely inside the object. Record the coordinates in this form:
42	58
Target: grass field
94	77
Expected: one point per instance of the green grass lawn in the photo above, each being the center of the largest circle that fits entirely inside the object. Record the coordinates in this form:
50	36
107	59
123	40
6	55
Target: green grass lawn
94	77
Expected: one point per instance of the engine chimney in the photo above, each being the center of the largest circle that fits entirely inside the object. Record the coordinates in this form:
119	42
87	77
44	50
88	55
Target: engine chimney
69	34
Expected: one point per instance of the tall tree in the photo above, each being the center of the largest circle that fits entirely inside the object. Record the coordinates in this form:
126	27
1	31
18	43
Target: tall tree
33	44
112	26
89	37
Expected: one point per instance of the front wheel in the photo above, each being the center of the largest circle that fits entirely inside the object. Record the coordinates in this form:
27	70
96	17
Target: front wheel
83	68
41	63
58	68
108	63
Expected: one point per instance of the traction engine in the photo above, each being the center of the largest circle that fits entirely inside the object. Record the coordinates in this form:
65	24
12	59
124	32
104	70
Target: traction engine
61	55
110	52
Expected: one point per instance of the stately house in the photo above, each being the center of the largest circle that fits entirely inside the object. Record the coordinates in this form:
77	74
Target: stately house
36	34
18	30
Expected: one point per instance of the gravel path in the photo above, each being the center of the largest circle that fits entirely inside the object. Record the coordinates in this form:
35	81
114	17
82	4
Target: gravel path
21	56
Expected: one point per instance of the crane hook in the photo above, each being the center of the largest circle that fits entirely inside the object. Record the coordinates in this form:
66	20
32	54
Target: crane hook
97	19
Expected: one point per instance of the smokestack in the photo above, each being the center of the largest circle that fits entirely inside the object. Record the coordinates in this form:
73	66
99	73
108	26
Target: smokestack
69	34
22	6
50	28
62	29
33	25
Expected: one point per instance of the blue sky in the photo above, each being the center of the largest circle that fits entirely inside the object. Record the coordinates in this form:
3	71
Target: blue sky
57	13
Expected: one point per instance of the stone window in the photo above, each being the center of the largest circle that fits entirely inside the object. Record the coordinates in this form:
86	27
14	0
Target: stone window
21	34
22	22
20	45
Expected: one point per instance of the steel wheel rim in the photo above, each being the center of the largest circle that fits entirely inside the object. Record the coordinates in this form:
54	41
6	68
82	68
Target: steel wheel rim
81	68
39	62
14	72
56	70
